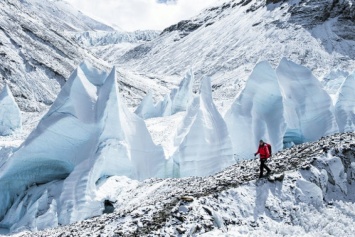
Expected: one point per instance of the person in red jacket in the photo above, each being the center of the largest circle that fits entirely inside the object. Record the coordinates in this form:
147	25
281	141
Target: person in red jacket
264	151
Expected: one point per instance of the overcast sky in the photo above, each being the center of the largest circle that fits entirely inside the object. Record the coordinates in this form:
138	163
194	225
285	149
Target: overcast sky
141	14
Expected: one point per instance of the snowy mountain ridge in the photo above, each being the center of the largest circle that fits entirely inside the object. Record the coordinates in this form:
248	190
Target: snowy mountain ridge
309	181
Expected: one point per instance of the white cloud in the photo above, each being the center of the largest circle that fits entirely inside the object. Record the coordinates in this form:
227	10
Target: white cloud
141	14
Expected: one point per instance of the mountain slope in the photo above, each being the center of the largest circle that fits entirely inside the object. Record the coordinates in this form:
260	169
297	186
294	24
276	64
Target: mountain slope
226	41
38	53
311	182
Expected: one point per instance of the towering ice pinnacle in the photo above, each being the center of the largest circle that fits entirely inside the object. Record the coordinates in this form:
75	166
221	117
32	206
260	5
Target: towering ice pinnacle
10	114
309	112
345	105
257	113
177	101
203	145
147	108
87	134
180	98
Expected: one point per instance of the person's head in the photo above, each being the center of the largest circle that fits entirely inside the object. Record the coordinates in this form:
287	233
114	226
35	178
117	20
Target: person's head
261	142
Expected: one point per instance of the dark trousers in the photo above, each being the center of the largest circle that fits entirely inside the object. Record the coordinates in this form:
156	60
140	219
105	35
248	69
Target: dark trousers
262	166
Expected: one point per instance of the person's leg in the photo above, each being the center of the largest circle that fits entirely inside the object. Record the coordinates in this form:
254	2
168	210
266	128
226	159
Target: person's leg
261	167
266	167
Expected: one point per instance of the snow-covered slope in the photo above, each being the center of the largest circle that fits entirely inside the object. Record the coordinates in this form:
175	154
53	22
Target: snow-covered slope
38	52
10	114
311	193
69	18
226	41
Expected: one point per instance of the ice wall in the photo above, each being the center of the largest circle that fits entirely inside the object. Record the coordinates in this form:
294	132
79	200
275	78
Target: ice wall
257	113
10	114
309	112
203	145
87	134
345	105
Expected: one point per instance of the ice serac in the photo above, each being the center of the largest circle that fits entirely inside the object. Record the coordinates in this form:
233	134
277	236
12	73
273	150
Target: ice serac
345	105
64	137
147	108
309	112
257	113
203	145
125	148
10	114
181	97
88	133
177	101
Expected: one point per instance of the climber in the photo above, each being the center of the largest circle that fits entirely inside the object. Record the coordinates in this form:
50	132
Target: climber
264	151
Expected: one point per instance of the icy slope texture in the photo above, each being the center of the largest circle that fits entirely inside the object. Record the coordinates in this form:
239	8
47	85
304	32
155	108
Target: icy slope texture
309	112
345	105
10	114
87	134
311	194
61	11
257	113
227	41
177	101
202	140
36	55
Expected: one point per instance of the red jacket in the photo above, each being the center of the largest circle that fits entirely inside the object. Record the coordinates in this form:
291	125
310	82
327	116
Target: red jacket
264	151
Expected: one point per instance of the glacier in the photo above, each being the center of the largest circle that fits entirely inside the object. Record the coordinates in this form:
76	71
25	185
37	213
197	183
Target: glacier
10	114
257	113
345	105
309	111
177	101
87	134
203	145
